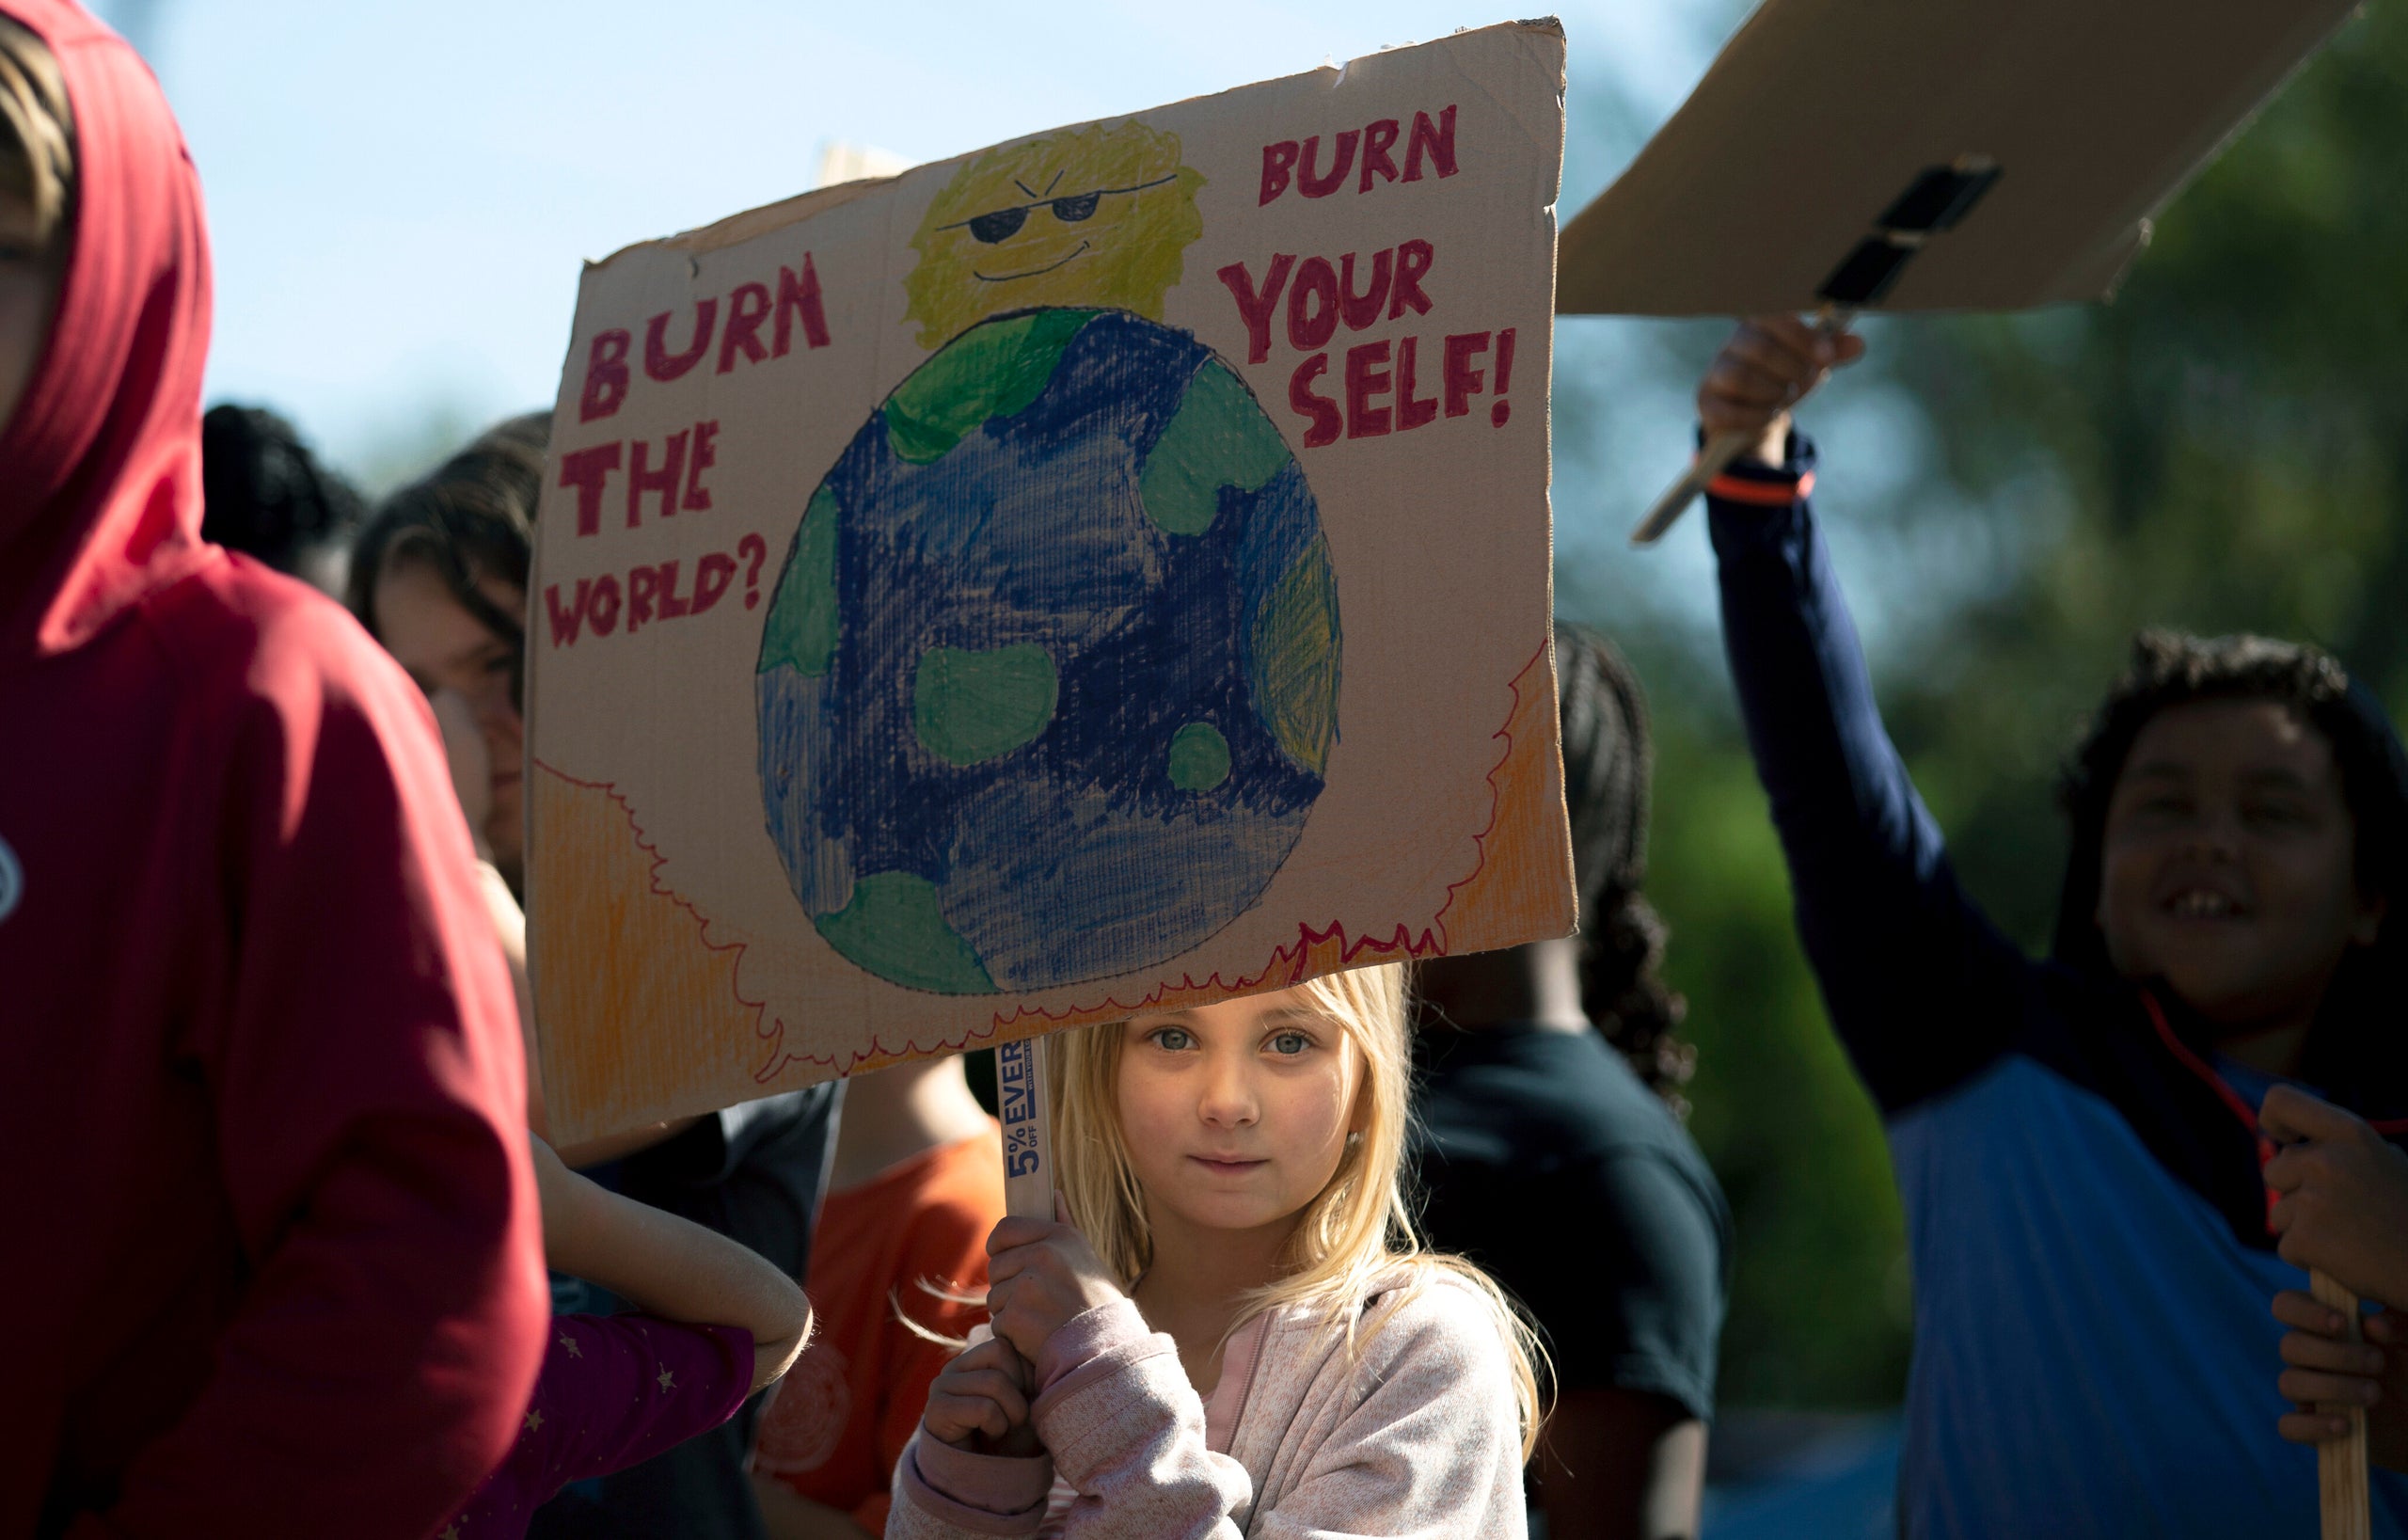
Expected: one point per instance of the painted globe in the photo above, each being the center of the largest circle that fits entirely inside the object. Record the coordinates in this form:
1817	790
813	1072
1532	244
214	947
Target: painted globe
1048	682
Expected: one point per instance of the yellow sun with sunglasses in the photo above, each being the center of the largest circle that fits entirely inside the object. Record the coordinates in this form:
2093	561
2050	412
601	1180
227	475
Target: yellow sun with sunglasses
1098	217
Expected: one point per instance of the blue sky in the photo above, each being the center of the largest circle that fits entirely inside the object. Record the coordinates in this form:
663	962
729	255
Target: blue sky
400	195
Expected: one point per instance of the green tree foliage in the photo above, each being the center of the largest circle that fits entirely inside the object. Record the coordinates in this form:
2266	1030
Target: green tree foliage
2223	447
1818	1312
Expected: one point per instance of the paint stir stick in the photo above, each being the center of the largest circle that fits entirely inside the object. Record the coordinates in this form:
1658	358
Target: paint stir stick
2341	1463
1718	452
1028	1148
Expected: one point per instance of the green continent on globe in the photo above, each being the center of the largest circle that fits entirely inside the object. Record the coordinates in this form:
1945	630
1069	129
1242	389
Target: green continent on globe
1199	758
1218	438
895	927
970	706
1049	677
801	629
993	371
1294	658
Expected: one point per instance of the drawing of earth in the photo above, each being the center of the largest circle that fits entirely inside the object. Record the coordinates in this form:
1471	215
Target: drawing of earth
1049	678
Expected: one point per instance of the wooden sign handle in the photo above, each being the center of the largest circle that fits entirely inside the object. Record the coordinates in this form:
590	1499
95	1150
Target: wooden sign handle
1021	1098
1712	461
2341	1463
1719	452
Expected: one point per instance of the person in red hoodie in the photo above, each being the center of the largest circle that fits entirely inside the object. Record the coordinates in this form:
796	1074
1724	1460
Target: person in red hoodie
275	1262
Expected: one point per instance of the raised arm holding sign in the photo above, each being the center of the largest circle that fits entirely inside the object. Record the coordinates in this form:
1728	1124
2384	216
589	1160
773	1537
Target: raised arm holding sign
2082	1128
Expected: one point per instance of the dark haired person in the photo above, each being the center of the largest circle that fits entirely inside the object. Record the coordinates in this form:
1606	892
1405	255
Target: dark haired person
263	494
1549	1078
2074	1138
439	574
272	1227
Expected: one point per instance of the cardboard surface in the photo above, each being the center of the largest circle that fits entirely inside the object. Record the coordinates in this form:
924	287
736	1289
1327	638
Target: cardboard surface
1110	569
1820	113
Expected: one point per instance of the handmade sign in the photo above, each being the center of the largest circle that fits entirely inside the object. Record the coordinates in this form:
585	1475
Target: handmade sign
1107	570
1928	158
1831	137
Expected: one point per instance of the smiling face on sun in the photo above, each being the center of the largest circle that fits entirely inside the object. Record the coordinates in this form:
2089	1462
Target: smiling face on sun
1096	217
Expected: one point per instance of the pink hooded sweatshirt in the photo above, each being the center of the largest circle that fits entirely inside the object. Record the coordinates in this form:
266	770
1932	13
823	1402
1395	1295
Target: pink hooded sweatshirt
274	1261
1414	1432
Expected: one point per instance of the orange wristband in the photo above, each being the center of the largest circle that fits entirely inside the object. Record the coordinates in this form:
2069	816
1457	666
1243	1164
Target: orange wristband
1760	494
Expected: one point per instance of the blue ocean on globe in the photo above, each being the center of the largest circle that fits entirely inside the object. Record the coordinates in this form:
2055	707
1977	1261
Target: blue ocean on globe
1048	682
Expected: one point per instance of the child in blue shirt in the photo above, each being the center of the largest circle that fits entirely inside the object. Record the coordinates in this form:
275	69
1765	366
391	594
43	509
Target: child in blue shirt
2075	1138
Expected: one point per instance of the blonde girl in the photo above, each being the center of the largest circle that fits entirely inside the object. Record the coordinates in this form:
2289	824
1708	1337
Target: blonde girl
1234	1332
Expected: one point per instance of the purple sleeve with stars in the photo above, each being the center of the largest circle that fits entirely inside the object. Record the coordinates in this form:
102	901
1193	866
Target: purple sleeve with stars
615	1390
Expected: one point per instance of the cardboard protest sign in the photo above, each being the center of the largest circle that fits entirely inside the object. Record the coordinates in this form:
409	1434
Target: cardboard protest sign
1110	569
1823	122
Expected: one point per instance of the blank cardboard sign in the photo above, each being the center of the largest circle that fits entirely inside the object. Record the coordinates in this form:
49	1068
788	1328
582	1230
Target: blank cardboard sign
1109	569
1822	117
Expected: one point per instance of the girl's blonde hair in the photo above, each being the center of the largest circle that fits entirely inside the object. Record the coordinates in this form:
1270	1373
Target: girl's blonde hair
37	148
1358	1230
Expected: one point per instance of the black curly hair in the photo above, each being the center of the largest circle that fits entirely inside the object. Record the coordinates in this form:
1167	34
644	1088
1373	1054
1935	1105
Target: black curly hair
2358	1038
265	495
1607	766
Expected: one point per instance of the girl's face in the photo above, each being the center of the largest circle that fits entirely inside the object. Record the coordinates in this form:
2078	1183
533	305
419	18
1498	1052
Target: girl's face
2228	864
1235	1115
445	647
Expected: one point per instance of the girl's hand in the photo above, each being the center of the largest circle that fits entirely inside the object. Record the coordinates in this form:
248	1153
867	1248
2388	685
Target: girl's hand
980	1401
1771	363
2343	1203
2325	1367
1038	1275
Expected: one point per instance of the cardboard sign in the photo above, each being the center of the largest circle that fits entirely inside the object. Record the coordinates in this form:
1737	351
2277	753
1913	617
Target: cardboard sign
1107	570
1825	126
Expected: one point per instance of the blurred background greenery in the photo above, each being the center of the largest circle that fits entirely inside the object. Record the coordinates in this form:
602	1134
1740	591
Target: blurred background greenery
2223	447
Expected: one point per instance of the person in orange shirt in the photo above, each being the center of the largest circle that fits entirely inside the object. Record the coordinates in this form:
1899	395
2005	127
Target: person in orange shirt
918	1181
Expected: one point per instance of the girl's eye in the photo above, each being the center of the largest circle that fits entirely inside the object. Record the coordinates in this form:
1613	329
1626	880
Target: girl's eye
1174	1038
1291	1044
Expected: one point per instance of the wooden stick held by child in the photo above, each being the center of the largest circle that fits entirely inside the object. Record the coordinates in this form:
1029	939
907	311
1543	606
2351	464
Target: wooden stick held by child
2341	1207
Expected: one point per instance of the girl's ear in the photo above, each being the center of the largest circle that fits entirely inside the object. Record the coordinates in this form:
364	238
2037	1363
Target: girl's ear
1358	1118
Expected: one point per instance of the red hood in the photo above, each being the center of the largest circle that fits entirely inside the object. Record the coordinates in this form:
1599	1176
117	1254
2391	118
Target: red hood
100	469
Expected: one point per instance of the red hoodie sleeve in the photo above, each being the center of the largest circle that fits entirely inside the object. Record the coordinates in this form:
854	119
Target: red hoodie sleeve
363	1058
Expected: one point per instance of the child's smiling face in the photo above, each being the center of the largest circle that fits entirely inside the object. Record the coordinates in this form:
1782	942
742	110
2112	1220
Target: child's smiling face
1235	1115
2228	864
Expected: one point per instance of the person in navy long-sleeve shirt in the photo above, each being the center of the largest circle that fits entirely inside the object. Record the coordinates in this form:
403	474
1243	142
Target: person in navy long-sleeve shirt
2074	1138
